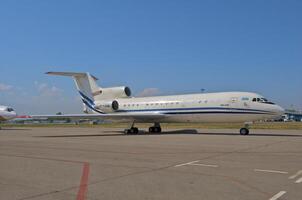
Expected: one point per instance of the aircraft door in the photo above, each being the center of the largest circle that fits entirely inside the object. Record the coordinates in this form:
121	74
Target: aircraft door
234	101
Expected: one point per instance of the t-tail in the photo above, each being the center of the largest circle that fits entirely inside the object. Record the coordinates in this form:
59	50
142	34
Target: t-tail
96	99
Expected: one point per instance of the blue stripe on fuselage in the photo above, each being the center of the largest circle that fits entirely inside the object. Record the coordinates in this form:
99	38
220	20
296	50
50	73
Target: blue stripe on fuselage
91	107
216	112
86	98
195	109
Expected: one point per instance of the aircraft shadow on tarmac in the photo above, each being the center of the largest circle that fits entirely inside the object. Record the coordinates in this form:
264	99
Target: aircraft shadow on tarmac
178	132
14	129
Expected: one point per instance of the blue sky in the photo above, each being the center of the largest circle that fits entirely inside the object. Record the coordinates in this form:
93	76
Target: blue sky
170	46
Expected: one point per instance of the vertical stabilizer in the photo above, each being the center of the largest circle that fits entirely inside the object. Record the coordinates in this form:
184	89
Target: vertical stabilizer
86	86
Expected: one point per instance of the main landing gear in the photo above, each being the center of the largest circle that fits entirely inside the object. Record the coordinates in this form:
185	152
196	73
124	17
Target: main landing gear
245	130
155	129
134	130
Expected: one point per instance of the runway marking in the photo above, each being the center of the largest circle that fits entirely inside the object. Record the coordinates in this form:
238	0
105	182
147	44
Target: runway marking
277	196
189	163
195	163
84	183
296	175
299	180
270	171
203	165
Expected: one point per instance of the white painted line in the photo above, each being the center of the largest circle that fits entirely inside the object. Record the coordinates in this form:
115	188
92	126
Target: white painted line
270	171
189	163
203	165
277	196
299	180
296	175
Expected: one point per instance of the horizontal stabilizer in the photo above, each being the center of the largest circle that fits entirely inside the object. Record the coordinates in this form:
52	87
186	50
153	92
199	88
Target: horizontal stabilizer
74	74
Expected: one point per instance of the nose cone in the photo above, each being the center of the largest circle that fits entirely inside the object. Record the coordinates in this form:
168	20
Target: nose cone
279	110
12	115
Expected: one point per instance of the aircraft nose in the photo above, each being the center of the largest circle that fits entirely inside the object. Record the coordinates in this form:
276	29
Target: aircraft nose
13	115
280	110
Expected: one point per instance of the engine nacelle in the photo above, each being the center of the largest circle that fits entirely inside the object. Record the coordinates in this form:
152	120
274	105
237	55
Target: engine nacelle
115	92
107	106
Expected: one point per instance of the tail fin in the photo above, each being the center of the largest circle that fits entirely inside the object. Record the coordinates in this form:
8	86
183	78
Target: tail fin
86	85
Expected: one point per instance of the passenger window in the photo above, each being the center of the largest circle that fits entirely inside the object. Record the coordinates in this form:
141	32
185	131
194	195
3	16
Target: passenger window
234	99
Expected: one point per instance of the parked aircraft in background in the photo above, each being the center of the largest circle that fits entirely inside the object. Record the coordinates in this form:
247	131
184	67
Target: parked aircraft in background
116	104
7	113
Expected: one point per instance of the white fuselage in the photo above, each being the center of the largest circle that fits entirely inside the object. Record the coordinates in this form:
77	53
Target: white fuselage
207	107
7	113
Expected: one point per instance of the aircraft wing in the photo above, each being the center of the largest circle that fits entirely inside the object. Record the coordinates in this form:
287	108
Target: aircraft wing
138	117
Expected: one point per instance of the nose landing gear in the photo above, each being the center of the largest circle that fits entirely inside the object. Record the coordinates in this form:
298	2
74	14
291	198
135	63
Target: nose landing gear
245	130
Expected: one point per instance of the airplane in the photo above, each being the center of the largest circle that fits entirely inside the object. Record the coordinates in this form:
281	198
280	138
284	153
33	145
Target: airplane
7	113
117	104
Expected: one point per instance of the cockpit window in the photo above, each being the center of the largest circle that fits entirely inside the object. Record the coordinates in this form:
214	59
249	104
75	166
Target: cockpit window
9	110
262	100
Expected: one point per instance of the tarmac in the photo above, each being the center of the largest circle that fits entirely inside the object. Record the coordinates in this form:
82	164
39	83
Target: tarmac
97	163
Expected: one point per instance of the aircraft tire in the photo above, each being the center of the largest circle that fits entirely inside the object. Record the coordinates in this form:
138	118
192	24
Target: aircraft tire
244	131
155	129
135	130
131	131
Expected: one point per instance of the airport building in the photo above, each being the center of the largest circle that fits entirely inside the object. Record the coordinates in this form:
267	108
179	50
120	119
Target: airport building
292	115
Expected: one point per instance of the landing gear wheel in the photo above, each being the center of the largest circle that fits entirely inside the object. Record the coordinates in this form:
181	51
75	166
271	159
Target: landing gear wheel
135	130
132	130
244	131
155	129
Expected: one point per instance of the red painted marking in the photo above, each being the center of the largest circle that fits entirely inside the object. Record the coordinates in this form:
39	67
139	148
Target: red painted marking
23	117
85	172
84	183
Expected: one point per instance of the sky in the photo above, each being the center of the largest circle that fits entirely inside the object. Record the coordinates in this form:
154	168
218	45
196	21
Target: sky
155	47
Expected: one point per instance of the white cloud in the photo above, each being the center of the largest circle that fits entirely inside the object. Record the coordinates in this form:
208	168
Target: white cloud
4	87
149	92
46	90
